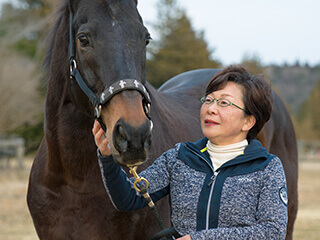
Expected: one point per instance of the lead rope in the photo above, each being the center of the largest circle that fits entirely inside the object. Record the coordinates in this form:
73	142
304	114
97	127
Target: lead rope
145	194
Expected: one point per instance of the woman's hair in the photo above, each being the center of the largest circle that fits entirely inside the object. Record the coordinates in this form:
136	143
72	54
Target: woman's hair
257	95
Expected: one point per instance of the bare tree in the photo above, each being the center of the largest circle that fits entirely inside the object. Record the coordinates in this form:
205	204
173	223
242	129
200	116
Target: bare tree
20	100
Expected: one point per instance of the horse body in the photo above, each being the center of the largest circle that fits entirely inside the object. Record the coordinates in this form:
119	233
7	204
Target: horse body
66	196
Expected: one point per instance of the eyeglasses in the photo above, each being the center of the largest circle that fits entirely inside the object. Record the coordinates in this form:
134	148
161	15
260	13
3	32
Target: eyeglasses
222	102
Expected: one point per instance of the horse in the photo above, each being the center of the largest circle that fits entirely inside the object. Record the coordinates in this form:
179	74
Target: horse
96	68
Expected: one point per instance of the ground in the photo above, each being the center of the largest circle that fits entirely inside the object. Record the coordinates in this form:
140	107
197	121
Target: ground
16	223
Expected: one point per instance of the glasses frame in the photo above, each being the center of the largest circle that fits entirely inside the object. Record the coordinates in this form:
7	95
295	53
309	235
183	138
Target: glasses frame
203	101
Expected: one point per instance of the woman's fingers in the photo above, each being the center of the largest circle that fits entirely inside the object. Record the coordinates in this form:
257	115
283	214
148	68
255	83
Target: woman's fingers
96	127
100	139
100	135
105	142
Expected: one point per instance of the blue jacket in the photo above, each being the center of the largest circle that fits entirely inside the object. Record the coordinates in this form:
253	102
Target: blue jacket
246	198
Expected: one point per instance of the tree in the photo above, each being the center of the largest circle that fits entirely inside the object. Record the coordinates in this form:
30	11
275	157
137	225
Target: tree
253	64
308	115
23	27
179	49
314	109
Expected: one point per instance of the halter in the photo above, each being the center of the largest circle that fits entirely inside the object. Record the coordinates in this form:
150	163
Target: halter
110	91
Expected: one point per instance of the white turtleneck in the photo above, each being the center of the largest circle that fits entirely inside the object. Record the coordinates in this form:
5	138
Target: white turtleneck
222	154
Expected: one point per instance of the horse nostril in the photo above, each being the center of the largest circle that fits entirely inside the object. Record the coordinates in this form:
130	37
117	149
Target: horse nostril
132	143
121	139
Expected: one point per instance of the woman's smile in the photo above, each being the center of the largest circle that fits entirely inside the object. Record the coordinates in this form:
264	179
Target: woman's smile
209	123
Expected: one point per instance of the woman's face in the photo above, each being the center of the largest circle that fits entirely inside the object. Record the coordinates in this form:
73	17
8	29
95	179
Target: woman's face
226	125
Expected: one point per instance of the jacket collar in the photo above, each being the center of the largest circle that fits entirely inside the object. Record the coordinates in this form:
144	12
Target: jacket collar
252	152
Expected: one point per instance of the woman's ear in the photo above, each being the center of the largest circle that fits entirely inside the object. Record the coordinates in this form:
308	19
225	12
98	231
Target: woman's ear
250	121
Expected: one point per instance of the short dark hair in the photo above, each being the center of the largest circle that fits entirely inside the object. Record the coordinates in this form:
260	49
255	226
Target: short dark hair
257	94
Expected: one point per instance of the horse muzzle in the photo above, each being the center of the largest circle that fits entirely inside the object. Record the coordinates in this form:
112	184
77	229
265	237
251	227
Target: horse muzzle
131	143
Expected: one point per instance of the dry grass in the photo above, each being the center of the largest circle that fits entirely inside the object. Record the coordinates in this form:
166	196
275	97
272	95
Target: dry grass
16	223
15	220
308	222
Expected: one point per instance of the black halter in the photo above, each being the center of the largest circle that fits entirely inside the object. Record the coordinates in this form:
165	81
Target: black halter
110	91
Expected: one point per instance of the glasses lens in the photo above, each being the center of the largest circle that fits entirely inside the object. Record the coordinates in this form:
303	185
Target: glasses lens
206	100
223	102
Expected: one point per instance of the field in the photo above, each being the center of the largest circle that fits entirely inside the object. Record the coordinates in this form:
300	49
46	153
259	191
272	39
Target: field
16	223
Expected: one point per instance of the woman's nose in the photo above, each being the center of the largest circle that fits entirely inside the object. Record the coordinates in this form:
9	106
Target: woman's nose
213	107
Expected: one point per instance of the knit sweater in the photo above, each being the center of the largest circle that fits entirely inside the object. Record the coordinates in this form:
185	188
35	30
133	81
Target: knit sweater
245	199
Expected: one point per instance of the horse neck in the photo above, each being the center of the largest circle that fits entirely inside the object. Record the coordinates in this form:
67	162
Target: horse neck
172	121
70	143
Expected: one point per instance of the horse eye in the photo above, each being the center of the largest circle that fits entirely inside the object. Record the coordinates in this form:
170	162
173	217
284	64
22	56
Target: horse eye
84	41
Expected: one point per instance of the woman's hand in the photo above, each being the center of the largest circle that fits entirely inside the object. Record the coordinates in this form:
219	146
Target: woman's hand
100	139
186	237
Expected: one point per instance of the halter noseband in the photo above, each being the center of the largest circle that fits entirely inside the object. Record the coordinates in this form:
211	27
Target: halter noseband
109	92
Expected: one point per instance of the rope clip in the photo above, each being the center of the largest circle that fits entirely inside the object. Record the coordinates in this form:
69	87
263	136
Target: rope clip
133	171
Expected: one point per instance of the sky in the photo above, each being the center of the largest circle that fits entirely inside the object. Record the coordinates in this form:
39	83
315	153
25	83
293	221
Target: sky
277	31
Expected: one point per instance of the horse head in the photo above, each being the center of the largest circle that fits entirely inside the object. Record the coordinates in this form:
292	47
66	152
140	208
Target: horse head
107	54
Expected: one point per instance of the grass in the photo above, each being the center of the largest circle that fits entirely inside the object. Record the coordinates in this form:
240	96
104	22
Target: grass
307	224
15	220
16	223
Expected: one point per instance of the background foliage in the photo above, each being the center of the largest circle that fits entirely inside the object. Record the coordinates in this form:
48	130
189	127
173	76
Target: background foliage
179	48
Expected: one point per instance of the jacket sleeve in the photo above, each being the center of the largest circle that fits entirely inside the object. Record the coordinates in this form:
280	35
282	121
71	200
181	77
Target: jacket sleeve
120	188
271	216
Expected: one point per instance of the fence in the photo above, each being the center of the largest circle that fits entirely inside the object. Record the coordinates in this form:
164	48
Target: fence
12	147
309	150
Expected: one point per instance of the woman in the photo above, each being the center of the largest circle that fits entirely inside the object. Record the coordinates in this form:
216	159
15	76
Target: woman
223	186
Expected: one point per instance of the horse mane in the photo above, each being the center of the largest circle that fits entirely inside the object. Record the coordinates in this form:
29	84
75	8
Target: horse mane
60	31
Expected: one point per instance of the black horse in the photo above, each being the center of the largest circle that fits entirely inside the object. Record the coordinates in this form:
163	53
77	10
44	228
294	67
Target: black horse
98	50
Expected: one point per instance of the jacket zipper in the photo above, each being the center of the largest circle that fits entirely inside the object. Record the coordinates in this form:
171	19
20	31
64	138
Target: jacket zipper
212	182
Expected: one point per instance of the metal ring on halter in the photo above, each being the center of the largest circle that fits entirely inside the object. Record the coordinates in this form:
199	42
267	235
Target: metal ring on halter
147	108
98	111
73	65
138	181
